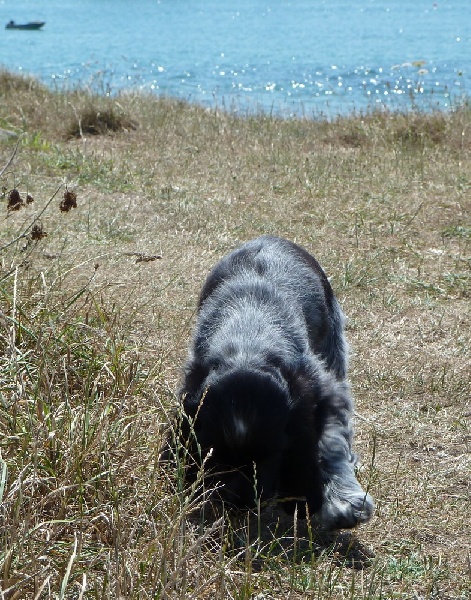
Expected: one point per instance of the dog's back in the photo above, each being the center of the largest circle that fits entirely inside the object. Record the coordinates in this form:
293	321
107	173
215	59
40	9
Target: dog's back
290	274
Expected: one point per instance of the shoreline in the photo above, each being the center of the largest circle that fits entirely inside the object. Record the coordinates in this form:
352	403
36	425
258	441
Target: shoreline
240	105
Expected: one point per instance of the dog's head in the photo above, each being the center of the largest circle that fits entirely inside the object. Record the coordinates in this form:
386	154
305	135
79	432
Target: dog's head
240	419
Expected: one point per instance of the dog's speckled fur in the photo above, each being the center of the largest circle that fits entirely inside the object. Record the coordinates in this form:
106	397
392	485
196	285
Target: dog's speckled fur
265	385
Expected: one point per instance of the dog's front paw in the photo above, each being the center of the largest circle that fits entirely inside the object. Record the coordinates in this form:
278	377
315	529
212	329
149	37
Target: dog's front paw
346	511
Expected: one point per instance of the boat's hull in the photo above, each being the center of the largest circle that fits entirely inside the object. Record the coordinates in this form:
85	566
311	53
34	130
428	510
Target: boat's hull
29	26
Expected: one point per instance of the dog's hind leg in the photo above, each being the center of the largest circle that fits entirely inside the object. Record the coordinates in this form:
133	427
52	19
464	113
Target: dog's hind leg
344	503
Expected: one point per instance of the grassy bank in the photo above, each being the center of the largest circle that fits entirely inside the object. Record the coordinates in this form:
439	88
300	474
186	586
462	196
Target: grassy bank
95	319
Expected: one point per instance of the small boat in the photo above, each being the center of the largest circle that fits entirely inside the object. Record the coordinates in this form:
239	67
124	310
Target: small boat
30	25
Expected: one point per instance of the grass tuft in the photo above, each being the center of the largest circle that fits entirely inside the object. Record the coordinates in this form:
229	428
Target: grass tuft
99	121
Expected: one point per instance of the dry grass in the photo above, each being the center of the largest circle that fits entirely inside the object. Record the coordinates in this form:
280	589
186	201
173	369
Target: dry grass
93	330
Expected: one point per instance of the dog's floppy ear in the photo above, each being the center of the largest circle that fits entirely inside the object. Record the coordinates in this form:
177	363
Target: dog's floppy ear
189	394
181	446
320	398
308	398
303	383
302	387
299	392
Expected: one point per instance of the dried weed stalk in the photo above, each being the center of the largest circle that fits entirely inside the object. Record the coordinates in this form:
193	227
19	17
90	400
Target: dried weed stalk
34	232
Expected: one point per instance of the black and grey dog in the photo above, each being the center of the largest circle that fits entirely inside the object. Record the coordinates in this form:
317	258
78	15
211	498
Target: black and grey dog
264	395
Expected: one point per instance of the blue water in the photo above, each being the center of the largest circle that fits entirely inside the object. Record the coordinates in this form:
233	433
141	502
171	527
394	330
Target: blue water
301	57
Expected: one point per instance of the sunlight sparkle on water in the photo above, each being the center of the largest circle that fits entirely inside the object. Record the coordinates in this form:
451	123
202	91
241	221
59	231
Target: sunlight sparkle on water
330	59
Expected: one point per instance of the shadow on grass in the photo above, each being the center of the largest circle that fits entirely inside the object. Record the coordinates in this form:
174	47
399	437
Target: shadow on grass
276	537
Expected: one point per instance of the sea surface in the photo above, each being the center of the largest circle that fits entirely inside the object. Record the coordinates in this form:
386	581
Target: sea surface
304	57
